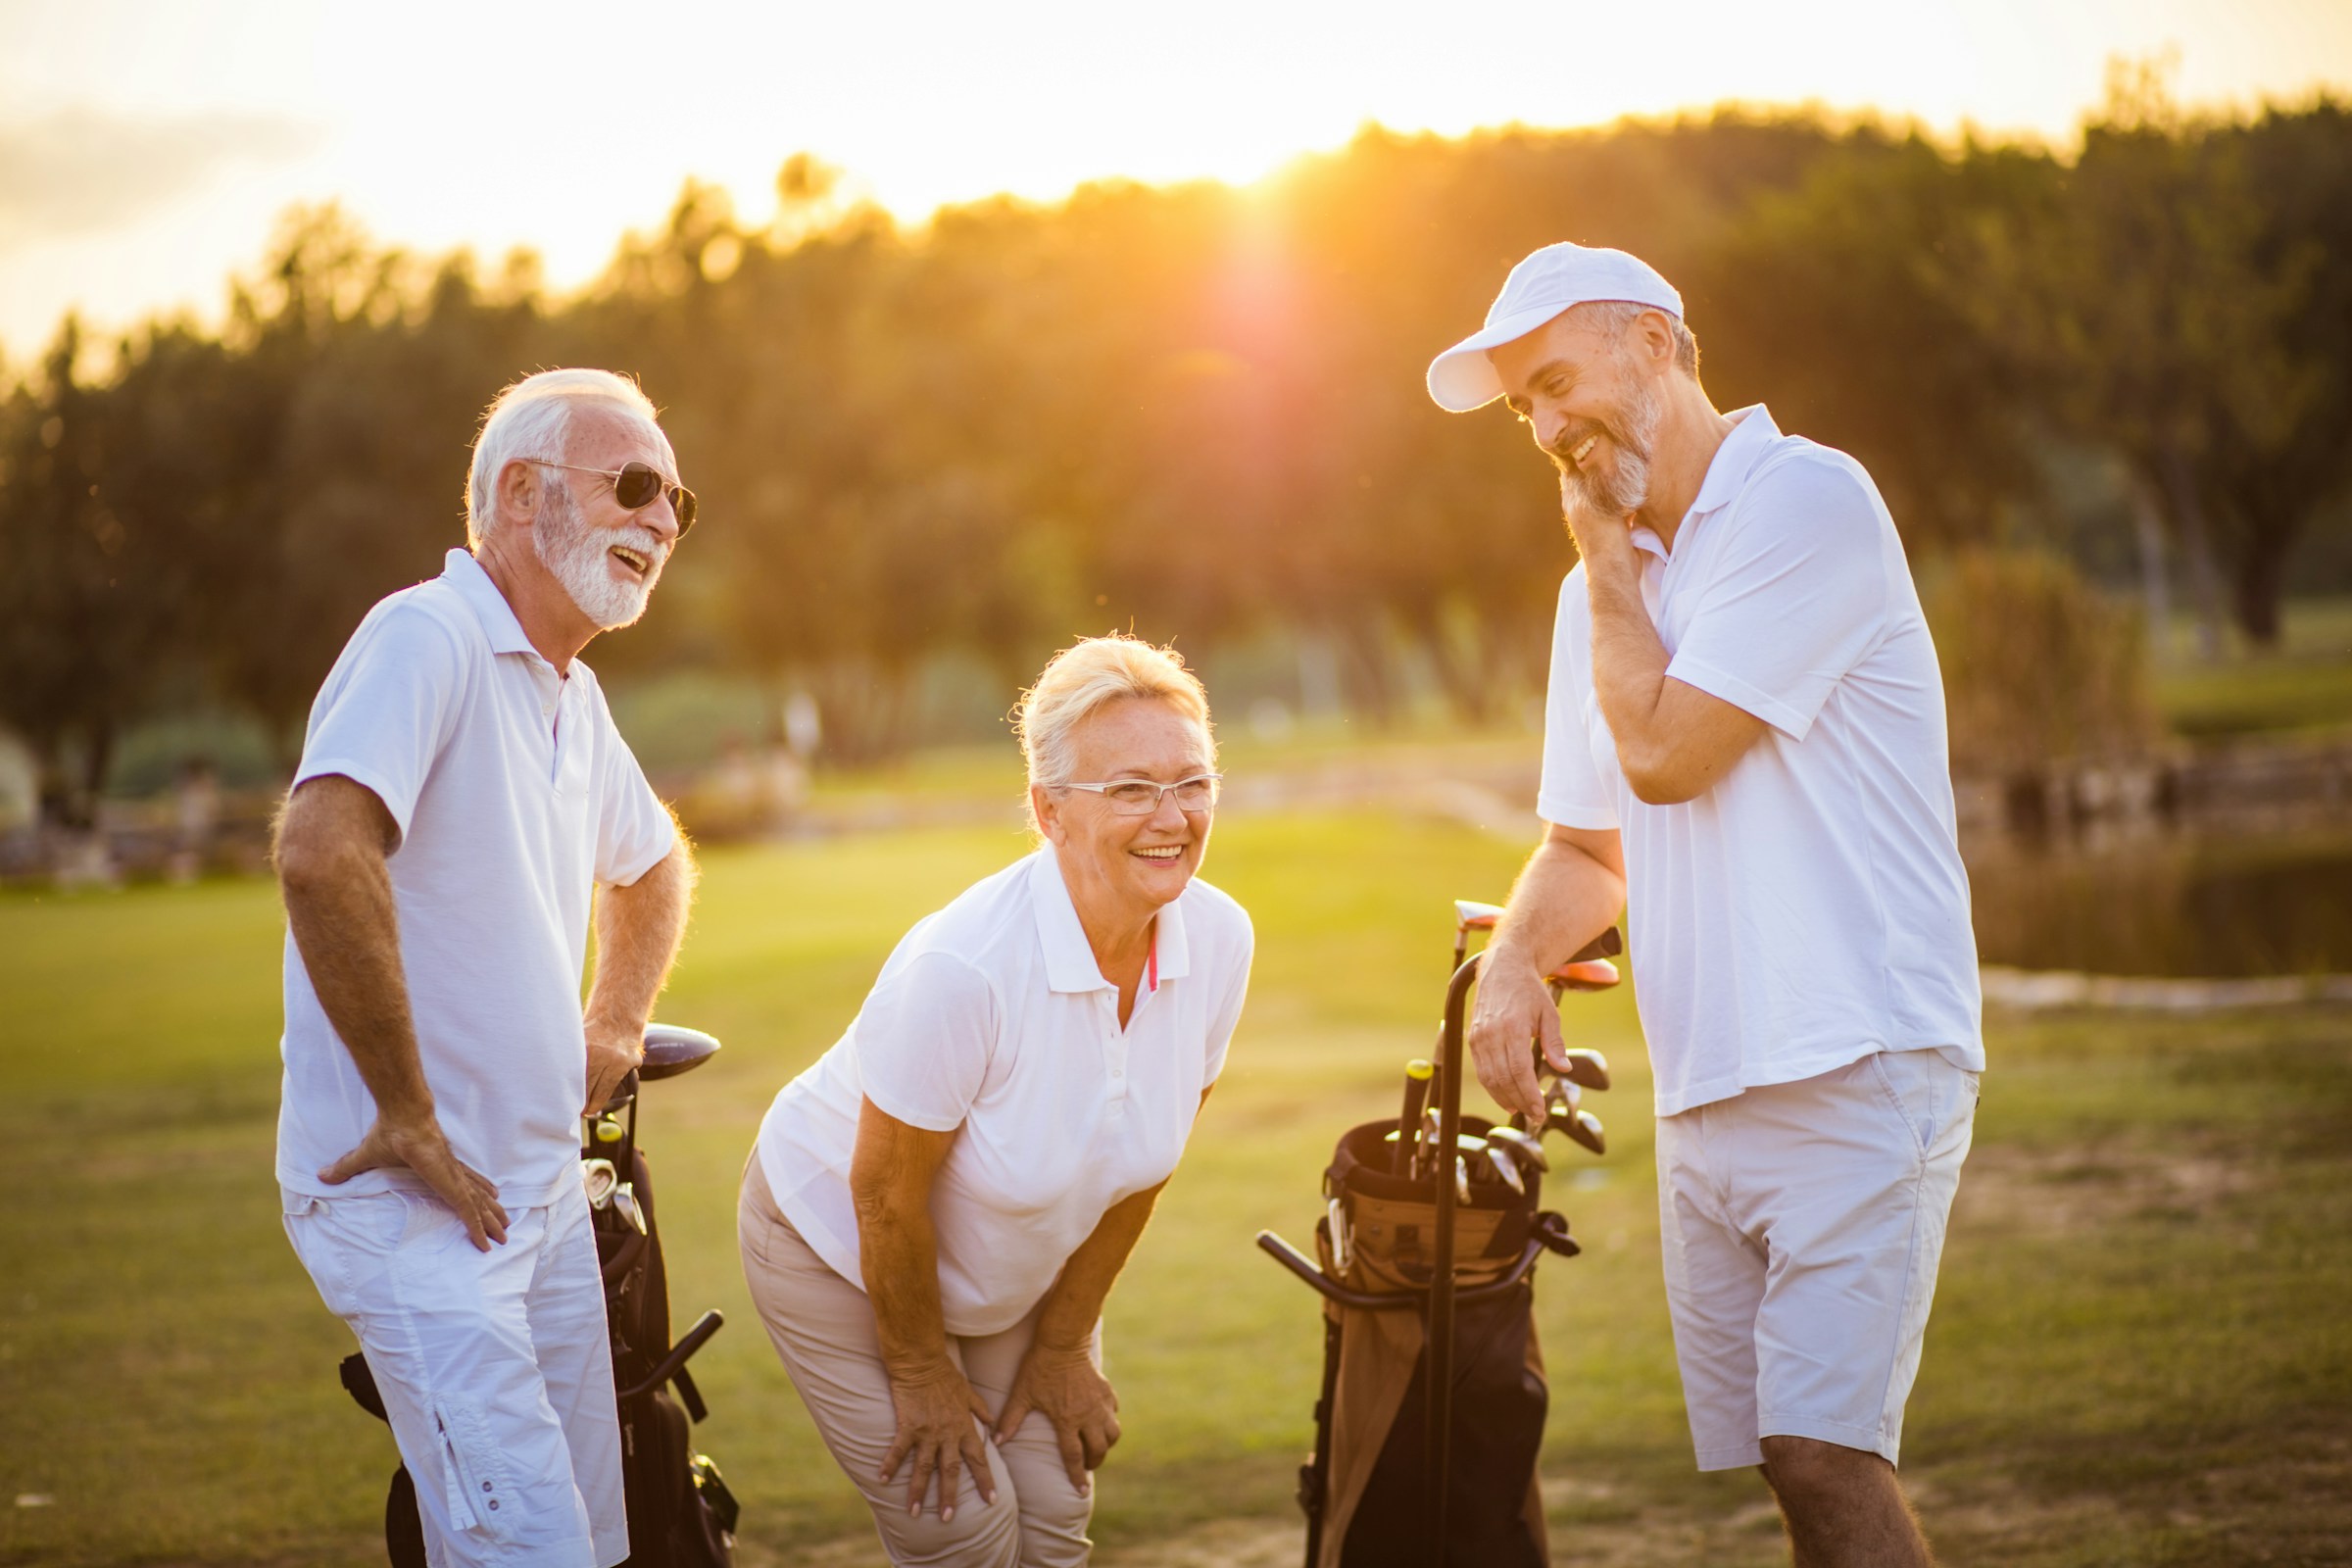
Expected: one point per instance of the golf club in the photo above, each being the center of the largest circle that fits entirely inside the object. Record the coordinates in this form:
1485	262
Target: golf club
1529	1148
1506	1166
1417	1073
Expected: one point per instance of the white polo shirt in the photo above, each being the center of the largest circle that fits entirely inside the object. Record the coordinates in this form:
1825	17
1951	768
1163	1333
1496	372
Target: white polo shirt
991	1018
513	794
1811	908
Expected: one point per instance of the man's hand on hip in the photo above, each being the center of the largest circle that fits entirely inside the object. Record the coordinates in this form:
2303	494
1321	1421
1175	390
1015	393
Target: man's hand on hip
423	1147
613	1052
1513	1007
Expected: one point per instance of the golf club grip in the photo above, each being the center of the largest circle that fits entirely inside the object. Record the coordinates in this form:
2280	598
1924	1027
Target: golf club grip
1409	1125
681	1354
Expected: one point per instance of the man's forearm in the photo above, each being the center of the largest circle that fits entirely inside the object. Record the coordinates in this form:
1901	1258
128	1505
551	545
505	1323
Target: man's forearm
638	930
1563	898
1075	1302
339	905
1629	661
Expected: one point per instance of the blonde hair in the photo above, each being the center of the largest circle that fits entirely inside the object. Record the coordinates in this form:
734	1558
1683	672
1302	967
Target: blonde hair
1083	678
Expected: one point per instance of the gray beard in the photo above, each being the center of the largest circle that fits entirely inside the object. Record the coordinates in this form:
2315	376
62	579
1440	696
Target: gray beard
575	552
1634	436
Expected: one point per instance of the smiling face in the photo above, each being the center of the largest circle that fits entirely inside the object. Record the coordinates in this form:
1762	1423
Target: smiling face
1591	397
1127	866
607	556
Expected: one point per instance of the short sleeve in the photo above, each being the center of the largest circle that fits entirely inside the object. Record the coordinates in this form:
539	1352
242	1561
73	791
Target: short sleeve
1798	598
1573	792
387	708
1229	1009
634	830
924	1040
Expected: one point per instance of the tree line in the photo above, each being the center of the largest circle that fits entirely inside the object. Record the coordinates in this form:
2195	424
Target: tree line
1195	409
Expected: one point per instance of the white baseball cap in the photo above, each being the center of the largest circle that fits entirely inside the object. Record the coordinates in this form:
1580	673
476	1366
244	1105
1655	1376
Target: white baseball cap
1553	280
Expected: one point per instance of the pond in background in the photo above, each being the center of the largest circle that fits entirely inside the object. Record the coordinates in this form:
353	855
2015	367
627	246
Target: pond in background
2195	902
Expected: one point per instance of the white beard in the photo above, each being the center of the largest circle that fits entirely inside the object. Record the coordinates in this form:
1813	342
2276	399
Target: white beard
576	555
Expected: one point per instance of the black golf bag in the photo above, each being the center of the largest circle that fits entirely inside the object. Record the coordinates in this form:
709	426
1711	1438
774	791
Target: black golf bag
1433	1400
680	1512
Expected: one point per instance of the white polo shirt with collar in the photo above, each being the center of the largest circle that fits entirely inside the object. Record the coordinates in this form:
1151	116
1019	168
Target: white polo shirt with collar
514	796
1811	908
991	1018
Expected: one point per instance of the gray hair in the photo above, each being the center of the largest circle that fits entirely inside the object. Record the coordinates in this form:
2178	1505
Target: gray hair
534	419
1085	676
1613	317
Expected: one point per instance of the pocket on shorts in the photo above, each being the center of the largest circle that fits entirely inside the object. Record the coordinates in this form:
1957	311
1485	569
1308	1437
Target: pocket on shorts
1924	1092
474	1477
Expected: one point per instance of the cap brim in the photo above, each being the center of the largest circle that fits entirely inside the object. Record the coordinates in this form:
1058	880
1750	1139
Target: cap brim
1463	378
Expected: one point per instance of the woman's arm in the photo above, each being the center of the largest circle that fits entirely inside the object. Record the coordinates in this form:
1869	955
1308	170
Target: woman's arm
1059	1377
897	1253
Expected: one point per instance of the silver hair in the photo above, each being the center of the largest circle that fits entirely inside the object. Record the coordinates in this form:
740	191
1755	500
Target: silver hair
1613	317
534	418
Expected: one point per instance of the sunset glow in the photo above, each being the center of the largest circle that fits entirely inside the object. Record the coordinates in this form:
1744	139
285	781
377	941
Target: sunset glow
145	149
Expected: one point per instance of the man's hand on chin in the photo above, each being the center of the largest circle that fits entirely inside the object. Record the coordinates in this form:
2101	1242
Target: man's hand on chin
1605	544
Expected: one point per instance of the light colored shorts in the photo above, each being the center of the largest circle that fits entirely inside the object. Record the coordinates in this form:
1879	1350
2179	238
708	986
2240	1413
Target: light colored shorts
494	1368
1803	1226
823	1328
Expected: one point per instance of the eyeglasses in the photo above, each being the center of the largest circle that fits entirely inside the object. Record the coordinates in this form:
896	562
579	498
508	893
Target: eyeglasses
637	485
1141	797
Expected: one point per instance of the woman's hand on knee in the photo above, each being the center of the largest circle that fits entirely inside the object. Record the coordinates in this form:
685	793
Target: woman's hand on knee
939	1435
1069	1390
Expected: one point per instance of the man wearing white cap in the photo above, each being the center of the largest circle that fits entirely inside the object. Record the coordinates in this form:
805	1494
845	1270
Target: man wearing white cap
1745	746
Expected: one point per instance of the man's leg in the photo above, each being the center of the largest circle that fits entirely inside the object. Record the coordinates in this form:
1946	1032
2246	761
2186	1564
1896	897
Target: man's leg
567	1313
1848	1180
1843	1506
447	1336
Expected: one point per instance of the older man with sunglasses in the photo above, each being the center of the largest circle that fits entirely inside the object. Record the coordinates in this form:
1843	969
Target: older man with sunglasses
463	799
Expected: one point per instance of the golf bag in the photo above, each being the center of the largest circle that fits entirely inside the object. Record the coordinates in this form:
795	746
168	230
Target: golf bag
680	1512
1425	1261
1363	1490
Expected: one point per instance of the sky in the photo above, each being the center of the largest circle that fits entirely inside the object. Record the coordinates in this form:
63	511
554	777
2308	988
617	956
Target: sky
147	146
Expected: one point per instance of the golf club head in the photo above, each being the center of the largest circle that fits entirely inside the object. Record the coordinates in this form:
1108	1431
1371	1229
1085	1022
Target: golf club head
1587	1067
1461	1179
600	1178
1529	1148
1583	1127
1561	1098
1506	1165
624	1198
1583	974
1471	915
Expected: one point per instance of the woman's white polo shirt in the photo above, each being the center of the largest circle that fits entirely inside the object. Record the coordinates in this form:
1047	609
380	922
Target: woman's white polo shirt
992	1019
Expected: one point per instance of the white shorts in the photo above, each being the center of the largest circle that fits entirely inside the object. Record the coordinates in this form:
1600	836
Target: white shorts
1802	1224
494	1368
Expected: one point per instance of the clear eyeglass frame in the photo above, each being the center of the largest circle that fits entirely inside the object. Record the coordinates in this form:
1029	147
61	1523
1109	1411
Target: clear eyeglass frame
1141	797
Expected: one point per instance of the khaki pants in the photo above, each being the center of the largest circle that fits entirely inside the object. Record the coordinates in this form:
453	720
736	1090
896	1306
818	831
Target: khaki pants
823	1328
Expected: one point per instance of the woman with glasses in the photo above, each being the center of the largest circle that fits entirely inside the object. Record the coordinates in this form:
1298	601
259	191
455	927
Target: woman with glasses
936	1211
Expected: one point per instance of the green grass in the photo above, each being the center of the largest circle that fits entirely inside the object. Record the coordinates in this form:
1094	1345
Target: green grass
2141	1353
2304	683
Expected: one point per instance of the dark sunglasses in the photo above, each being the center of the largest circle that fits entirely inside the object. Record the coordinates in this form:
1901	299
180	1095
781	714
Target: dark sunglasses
636	485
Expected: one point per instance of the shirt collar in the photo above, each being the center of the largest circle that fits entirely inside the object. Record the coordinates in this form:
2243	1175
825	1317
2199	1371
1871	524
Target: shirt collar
1069	957
473	585
1751	434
